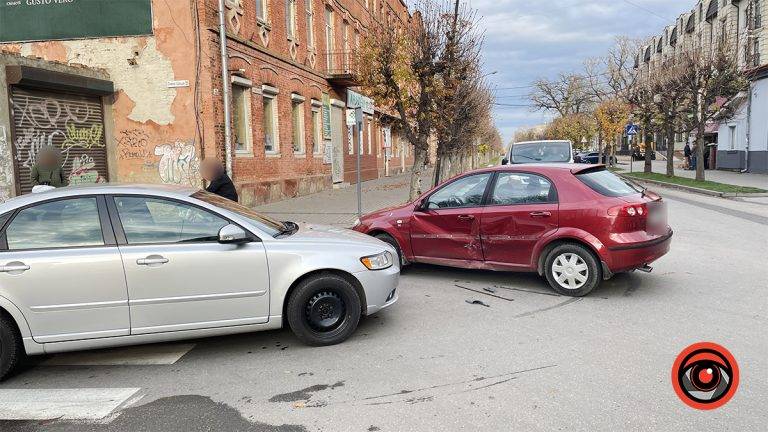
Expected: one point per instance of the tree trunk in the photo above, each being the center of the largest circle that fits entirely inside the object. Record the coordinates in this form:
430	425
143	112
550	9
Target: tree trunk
648	168
670	151
438	170
700	151
419	157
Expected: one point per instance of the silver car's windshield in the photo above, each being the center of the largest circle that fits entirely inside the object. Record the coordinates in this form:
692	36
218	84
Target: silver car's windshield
539	152
266	224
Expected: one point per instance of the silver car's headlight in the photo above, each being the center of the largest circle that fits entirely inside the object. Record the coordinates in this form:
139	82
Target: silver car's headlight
378	262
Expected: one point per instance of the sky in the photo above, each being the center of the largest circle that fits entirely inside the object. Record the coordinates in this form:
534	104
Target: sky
530	39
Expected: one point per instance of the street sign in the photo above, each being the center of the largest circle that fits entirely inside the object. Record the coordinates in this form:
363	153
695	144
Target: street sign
631	129
387	137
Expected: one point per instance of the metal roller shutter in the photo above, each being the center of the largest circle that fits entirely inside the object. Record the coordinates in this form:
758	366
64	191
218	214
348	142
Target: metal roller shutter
72	123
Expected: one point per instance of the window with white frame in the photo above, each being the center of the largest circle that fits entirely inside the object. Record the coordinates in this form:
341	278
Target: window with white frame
317	127
241	118
370	136
732	145
297	123
269	119
330	43
310	11
261	10
290	18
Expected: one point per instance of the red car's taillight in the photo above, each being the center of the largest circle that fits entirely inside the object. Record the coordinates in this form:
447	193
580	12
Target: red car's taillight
630	210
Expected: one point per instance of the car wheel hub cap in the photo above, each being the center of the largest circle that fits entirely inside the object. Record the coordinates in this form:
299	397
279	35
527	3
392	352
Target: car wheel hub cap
325	311
570	271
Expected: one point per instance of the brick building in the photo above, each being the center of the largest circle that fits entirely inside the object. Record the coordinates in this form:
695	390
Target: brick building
141	99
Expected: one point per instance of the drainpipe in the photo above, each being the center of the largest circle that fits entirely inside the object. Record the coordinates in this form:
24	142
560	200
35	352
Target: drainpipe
749	129
225	90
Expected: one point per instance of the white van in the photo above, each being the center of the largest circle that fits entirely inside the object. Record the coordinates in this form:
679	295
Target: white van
554	151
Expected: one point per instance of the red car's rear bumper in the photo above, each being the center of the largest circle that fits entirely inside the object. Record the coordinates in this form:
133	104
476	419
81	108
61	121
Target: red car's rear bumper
631	256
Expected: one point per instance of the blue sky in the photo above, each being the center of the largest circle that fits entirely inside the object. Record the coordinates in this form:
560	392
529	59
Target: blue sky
528	39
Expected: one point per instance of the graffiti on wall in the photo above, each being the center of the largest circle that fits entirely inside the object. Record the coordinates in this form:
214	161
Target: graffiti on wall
74	127
83	171
6	167
133	144
179	163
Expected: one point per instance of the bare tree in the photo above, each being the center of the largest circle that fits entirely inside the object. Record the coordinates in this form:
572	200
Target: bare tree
567	94
668	87
400	68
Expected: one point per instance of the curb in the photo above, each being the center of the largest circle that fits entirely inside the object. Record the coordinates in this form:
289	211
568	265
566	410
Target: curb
697	190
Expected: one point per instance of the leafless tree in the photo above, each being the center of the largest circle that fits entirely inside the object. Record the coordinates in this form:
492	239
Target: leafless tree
565	95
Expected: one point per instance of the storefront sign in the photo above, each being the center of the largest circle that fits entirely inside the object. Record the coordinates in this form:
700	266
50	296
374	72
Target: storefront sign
328	154
178	83
351	120
326	116
33	20
356	100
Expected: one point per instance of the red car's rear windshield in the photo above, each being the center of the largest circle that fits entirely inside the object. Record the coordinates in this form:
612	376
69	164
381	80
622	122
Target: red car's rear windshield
607	183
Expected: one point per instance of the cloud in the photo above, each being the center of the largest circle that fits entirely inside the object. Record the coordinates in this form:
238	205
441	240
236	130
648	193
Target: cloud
526	40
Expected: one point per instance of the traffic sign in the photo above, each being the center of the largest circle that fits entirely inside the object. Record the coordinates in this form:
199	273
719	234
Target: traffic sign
631	129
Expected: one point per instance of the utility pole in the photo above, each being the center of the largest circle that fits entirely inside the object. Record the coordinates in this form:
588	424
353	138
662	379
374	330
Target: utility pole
225	90
359	120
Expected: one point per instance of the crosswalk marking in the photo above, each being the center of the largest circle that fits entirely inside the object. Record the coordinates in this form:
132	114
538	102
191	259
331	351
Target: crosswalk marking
158	354
69	404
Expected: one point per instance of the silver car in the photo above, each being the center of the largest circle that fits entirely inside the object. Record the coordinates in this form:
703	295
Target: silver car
100	266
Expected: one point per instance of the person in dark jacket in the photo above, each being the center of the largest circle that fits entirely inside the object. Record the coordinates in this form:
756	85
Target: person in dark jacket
219	182
687	154
48	171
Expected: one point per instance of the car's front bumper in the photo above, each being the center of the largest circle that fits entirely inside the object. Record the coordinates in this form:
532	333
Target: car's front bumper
380	287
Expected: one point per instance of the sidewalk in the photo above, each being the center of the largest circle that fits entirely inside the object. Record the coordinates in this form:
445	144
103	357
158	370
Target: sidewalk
728	177
338	207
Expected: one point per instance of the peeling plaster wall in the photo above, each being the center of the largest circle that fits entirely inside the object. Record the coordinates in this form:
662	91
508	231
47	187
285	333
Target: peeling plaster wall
151	129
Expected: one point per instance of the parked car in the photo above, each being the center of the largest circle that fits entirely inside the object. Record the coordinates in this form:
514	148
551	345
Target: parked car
100	266
573	224
594	158
638	155
536	152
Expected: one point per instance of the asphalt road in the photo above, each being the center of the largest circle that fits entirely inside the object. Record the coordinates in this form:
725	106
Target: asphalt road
528	361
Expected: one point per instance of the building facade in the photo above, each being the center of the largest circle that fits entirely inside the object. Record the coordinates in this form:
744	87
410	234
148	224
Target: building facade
146	105
740	142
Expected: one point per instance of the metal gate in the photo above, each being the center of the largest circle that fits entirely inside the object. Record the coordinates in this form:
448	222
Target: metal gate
72	123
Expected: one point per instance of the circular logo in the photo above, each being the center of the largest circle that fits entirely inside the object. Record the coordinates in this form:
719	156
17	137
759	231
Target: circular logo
705	376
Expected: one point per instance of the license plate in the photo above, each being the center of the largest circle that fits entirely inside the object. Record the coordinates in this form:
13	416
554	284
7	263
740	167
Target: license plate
657	217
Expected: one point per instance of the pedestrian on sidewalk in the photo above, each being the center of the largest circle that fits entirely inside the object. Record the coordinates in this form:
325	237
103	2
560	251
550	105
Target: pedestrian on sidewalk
687	154
694	158
48	171
219	182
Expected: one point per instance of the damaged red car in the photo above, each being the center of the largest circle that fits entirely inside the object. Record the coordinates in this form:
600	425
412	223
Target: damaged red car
576	225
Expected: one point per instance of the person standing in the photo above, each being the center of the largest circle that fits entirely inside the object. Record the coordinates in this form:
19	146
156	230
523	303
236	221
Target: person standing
47	171
219	182
687	154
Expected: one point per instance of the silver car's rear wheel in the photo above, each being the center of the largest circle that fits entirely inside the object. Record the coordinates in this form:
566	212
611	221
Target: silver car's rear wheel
11	348
572	269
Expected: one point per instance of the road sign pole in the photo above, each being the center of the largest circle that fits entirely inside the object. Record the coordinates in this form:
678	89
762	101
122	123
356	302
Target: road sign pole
359	121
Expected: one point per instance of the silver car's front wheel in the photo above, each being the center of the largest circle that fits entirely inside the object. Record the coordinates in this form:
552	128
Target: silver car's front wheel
572	270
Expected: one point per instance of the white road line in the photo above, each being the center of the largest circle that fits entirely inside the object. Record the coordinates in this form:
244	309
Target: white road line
70	404
141	355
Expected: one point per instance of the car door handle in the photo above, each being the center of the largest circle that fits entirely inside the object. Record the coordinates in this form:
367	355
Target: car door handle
151	261
540	214
466	217
14	267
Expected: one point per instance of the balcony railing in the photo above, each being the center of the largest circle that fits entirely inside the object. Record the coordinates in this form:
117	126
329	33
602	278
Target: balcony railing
341	67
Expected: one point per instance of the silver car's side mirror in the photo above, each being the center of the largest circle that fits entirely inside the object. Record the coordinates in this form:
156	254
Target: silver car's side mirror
233	234
505	161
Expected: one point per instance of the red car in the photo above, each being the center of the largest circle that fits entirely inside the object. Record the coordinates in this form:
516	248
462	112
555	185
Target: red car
574	224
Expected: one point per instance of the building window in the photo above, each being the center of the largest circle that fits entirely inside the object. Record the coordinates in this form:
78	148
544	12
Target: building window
241	117
310	10
370	136
733	138
261	10
345	35
317	127
269	123
330	43
297	123
758	14
290	18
